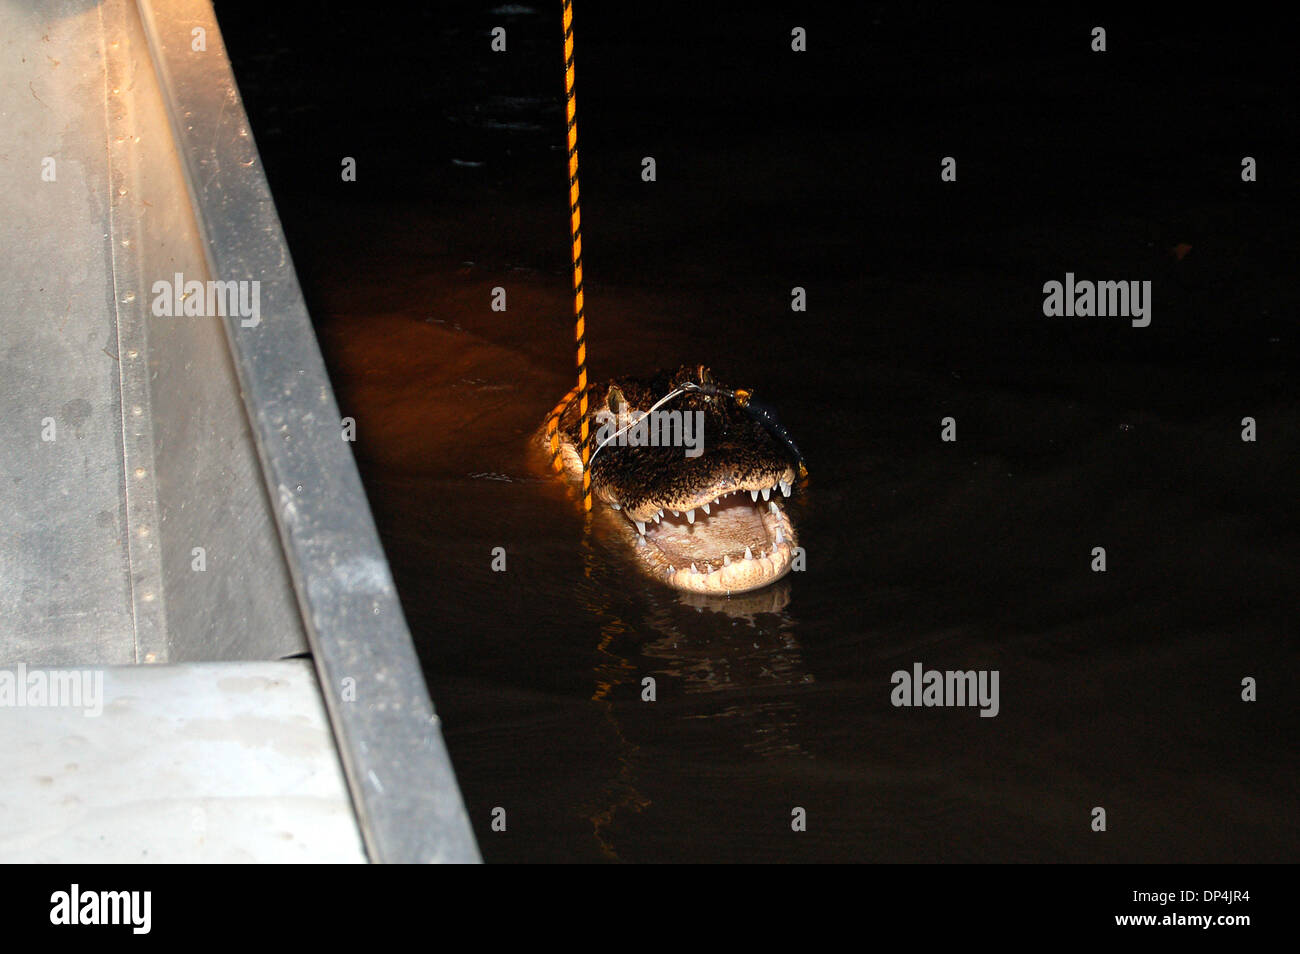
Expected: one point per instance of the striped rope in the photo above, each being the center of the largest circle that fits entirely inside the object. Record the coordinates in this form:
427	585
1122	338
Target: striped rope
575	231
553	428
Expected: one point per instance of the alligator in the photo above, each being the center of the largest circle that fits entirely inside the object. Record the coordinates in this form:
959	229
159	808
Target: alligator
703	512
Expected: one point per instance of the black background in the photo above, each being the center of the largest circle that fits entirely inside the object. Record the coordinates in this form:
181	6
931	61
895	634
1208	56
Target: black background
821	169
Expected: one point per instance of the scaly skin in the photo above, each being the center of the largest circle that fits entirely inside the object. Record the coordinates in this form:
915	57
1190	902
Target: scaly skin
739	459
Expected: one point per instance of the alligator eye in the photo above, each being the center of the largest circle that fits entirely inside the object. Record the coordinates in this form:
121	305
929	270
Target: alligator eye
617	402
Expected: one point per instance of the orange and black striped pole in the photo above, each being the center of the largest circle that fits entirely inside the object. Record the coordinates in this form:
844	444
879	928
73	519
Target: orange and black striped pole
575	231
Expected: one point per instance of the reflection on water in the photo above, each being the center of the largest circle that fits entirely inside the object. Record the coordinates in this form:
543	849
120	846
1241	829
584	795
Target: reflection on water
612	670
1118	688
750	650
618	793
736	648
780	697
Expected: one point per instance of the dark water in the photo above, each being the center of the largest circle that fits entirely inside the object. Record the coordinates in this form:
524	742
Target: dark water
1118	689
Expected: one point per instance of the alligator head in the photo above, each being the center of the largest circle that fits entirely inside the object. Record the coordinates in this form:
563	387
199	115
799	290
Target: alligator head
698	484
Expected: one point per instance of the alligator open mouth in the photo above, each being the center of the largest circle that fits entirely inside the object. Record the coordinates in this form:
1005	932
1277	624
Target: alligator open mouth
704	508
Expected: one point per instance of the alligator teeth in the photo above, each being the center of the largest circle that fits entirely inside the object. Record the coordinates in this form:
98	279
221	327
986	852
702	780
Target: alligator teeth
726	559
749	554
767	492
771	505
780	537
690	516
753	495
704	507
640	527
677	513
658	515
693	569
616	506
785	489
